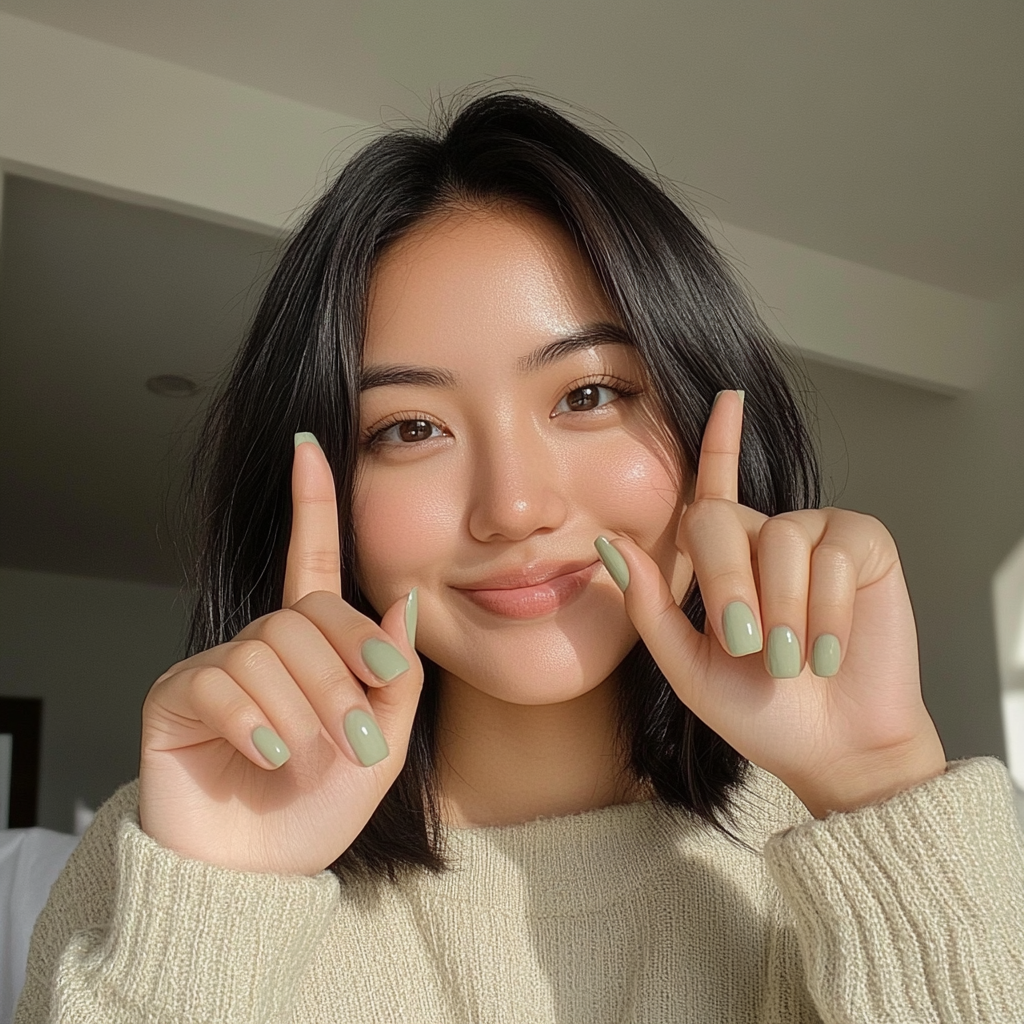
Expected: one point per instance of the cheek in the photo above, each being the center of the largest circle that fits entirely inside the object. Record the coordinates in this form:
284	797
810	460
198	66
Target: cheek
403	525
644	500
640	495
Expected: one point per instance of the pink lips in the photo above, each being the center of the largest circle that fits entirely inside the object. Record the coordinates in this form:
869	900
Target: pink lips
529	594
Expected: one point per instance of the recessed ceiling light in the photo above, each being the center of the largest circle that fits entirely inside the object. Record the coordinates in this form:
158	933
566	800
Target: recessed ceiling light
171	385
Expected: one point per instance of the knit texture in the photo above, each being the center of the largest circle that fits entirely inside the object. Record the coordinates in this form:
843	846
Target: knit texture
909	910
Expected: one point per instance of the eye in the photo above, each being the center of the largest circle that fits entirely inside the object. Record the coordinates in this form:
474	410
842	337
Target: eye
406	432
588	395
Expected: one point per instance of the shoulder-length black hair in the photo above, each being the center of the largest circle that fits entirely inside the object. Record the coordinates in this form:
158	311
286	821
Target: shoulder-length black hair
694	328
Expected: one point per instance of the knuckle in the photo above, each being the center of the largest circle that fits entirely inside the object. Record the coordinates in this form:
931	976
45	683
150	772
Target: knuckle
665	615
833	557
786	596
727	581
279	625
251	655
207	678
215	696
335	680
318	562
703	508
162	679
786	531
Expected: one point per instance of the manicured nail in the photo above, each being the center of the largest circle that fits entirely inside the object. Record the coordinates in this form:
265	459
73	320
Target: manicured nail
613	562
365	736
385	662
742	394
825	656
411	612
270	745
741	633
783	654
303	437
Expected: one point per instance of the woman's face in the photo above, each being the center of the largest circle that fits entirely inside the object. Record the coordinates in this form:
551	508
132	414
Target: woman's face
492	456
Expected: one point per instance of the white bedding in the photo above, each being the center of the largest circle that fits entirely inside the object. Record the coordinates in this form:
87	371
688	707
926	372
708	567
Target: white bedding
30	861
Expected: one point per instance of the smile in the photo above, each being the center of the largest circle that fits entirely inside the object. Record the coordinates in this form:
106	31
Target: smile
533	601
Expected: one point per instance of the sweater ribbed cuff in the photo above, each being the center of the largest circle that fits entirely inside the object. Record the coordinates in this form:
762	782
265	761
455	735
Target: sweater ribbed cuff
193	941
909	909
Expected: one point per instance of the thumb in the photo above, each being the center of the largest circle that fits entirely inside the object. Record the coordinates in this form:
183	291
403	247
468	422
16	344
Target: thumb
394	706
663	626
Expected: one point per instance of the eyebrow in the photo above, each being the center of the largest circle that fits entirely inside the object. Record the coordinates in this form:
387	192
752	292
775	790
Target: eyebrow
379	375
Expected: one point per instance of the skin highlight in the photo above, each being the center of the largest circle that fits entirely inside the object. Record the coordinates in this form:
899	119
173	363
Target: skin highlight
499	470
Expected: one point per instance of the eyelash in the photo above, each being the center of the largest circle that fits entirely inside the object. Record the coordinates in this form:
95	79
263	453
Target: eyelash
622	389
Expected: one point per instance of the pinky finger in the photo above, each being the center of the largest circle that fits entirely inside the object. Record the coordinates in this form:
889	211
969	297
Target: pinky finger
220	708
830	600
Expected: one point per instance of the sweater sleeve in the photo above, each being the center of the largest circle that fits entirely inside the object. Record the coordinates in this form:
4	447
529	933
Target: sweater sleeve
912	909
134	932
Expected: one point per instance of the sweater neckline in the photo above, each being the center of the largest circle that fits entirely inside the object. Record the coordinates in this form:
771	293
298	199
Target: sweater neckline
560	864
564	866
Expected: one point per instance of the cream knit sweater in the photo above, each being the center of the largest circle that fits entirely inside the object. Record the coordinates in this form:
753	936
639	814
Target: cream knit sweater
910	910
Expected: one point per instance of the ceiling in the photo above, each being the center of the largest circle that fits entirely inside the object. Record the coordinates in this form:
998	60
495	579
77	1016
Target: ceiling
889	133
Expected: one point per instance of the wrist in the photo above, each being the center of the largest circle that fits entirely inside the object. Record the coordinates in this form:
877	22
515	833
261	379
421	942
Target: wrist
872	785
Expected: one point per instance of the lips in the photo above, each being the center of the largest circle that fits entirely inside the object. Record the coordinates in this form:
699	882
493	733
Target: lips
533	591
528	576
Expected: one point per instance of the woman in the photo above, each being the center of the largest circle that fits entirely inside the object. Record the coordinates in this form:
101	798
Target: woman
499	620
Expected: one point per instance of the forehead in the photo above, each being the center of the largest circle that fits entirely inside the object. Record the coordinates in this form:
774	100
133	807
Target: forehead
479	281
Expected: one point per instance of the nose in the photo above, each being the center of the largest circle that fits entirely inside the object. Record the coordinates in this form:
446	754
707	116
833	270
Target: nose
517	489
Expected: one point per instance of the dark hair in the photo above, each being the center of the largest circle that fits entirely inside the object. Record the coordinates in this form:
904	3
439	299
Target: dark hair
694	328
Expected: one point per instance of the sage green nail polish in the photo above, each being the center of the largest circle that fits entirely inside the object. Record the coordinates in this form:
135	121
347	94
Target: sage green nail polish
365	736
825	657
411	614
742	395
613	562
741	633
303	437
385	662
270	745
783	654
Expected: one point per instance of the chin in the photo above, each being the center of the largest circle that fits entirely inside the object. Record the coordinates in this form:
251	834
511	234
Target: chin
533	671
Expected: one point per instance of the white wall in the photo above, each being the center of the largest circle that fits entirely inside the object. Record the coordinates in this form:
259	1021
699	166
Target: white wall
946	476
91	649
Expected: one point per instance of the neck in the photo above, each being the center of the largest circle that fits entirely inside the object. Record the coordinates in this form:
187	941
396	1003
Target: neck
502	763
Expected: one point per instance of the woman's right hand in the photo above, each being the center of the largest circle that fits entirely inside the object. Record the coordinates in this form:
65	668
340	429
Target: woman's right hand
205	789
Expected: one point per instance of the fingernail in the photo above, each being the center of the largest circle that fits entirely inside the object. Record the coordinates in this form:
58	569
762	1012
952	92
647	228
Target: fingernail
825	656
411	612
270	745
365	736
613	562
303	437
741	633
742	395
783	654
385	662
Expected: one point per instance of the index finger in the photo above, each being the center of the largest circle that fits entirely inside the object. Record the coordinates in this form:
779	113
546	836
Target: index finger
718	469
314	548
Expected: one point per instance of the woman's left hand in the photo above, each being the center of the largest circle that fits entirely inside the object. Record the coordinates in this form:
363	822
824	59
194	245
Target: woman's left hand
838	741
